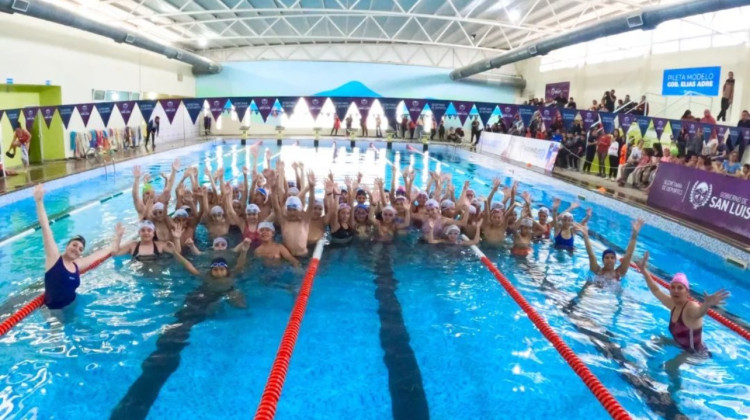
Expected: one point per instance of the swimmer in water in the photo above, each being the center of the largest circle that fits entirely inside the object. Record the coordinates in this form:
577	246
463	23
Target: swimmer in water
146	248
522	238
384	230
608	272
452	235
564	226
215	220
271	251
219	278
438	222
220	245
62	272
294	220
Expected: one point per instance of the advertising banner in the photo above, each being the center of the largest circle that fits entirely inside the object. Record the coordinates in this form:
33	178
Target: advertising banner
438	109
288	103
105	111
548	115
659	125
364	105
526	112
568	116
713	200
216	106
194	108
485	111
722	132
643	123
415	107
676	127
147	109
389	109
66	111
84	110
691	126
702	81
241	106
531	152
508	112
315	104
626	121
589	118
608	121
170	107
126	110
342	106
462	110
48	112
29	114
495	143
13	115
265	106
553	90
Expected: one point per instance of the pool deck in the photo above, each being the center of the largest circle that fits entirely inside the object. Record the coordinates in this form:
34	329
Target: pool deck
60	168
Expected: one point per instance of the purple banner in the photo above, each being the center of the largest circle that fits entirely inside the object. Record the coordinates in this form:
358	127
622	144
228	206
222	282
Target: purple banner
66	111
389	106
568	117
608	121
48	112
105	111
170	107
126	110
548	115
745	136
288	103
485	111
508	112
147	109
722	132
13	115
712	200
659	125
526	112
589	118
626	121
691	126
676	126
553	90
84	110
194	108
265	106
415	108
462	110
240	106
643	123
315	104
29	115
438	109
364	105
342	106
216	106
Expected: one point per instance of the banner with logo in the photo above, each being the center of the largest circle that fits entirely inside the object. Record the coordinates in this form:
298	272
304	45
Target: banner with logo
568	117
463	109
626	121
241	106
608	121
707	198
531	152
438	109
722	132
84	110
126	110
495	143
194	108
389	106
13	115
643	123
691	126
105	111
364	105
147	109
288	103
265	105
548	115
745	135
342	106
415	108
526	112
48	112
659	125
508	113
553	90
676	126
170	107
702	81
589	118
66	111
485	111
315	104
29	115
216	106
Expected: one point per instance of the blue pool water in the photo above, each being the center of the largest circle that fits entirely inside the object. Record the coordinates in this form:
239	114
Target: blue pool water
391	331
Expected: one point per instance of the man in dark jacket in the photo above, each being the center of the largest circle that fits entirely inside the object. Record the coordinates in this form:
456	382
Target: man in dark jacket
152	130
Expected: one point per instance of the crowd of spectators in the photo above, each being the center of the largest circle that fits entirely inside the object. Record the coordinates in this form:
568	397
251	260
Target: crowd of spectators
608	103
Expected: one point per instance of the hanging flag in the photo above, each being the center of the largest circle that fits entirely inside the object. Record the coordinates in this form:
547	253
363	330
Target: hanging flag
659	125
389	106
13	115
643	123
84	110
709	130
463	109
548	115
48	112
691	126
241	105
265	105
676	126
438	109
508	112
147	109
626	121
568	117
364	105
589	118
315	105
745	135
722	132
170	107
66	111
415	108
342	106
105	111
194	106
29	115
126	110
526	112
485	111
216	106
608	121
288	103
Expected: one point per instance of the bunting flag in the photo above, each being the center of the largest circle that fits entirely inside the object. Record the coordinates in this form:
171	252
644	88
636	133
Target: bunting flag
265	105
548	115
389	106
589	118
13	115
709	130
626	121
568	117
29	115
194	108
438	109
315	105
364	105
745	135
288	103
126	110
676	126
84	110
415	108
147	109
241	105
508	112
105	111
643	123
342	106
170	107
722	132
608	121
485	111
216	106
526	112
659	125
463	109
65	111
691	126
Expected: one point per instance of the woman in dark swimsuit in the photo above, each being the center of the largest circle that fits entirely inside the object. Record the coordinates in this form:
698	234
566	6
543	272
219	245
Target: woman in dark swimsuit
145	249
342	230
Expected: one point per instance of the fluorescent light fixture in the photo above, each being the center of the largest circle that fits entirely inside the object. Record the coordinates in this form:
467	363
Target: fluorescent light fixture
202	42
115	96
514	15
151	95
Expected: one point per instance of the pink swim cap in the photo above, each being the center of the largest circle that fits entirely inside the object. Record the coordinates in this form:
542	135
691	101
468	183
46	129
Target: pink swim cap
682	279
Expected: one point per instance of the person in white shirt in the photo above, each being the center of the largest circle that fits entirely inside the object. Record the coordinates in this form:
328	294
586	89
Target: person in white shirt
614	159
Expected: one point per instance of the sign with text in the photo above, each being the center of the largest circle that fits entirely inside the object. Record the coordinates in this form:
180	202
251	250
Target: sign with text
554	90
531	152
703	81
713	200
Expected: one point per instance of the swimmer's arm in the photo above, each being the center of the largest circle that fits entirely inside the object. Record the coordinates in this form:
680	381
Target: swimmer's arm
187	264
462	197
137	201
51	253
586	219
194	249
147	209
122	249
232	216
593	265
242	259
311	186
285	254
430	237
204	207
407	220
625	262
245	191
392	192
85	262
371	212
656	290
477	235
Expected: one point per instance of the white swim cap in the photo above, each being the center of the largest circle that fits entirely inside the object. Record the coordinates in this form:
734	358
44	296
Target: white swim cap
432	204
527	222
217	210
447	204
158	206
146	224
252	209
266	225
452	228
294	203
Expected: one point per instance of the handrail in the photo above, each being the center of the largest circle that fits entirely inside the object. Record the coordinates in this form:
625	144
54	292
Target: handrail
613	407
272	391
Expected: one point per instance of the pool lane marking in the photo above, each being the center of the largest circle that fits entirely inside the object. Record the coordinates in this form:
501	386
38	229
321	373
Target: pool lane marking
601	393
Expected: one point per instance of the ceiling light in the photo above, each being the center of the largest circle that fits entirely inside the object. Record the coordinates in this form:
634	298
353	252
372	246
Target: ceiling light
202	42
514	15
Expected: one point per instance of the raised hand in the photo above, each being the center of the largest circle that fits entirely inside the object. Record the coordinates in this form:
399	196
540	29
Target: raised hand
119	230
589	212
146	178
190	242
556	203
245	170
38	192
575	205
526	197
496	183
254	150
137	171
177	230
169	247
311	178
637	225
176	164
716	298
330	175
643	262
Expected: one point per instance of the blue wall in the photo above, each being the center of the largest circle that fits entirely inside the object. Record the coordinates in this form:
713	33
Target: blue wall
309	78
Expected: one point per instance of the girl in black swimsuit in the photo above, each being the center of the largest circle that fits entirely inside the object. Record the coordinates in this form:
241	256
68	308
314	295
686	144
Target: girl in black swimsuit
146	248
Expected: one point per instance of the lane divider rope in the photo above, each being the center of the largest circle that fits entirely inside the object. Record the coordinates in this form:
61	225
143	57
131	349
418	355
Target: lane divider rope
613	407
272	392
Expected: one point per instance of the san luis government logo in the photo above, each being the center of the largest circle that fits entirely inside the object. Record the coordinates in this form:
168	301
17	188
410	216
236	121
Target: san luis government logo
700	194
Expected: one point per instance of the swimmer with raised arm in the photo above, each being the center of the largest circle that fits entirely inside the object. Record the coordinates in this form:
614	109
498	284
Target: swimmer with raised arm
451	235
523	237
294	220
271	251
384	230
608	272
62	272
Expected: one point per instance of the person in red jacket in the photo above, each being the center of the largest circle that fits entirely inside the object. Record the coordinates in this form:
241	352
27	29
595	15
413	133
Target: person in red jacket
22	139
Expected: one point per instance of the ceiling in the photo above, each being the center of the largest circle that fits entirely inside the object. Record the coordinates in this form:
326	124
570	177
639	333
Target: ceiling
489	25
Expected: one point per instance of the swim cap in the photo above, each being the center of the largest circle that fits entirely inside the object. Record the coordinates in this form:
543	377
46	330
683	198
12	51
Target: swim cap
252	209
543	210
147	187
343	206
422	194
389	209
236	202
266	225
451	228
447	204
431	203
217	210
293	203
472	210
360	191
608	251
476	202
527	222
146	224
319	202
293	190
180	213
291	184
361	207
567	216
497	206
262	191
219	262
158	206
220	240
401	191
401	198
78	238
470	191
682	279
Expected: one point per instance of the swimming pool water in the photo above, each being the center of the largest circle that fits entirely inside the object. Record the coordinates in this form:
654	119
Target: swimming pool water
403	330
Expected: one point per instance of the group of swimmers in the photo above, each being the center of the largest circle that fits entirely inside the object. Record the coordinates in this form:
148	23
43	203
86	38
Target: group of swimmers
249	214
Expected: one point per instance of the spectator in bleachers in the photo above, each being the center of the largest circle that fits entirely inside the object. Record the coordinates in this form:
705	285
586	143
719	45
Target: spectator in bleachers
727	96
571	104
694	143
642	107
687	116
594	106
441	131
745	172
602	148
732	165
744	123
612	95
707	117
608	101
591	139
613	154
636	153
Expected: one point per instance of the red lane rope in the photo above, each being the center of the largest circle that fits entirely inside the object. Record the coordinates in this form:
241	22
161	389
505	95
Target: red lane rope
715	315
37	303
601	393
275	383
